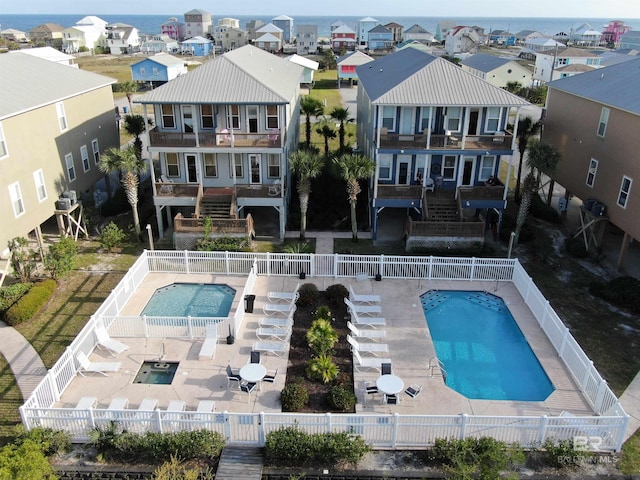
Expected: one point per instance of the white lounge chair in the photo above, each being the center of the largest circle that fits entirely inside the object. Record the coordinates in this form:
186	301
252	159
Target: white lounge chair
118	403
206	406
273	332
87	366
173	412
368	334
369	362
146	408
374	348
362	298
105	341
208	349
85	403
277	348
279	308
362	309
276	322
284	296
368	321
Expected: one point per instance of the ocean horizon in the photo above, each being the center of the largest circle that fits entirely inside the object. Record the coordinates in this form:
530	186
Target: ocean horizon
150	24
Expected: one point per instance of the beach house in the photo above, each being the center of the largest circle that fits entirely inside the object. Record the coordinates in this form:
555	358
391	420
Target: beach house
496	70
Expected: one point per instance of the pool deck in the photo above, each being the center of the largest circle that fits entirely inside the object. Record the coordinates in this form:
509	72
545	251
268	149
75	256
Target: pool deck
410	348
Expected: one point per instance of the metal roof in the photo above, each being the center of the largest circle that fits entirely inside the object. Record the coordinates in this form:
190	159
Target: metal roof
354	58
28	82
483	62
163	59
412	77
616	86
247	75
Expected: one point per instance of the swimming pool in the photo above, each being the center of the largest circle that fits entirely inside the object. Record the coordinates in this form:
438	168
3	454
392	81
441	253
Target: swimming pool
156	372
482	348
190	300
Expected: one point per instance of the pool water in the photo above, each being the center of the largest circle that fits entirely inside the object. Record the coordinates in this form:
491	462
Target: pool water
484	353
156	373
190	300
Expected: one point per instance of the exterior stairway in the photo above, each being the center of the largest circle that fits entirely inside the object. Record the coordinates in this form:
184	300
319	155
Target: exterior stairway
240	463
216	206
441	210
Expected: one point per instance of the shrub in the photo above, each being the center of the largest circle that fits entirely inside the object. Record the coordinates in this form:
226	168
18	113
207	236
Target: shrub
622	292
323	312
23	259
174	470
59	260
112	236
322	369
294	396
575	247
25	461
30	303
300	247
321	337
51	441
337	293
309	295
562	453
11	293
341	398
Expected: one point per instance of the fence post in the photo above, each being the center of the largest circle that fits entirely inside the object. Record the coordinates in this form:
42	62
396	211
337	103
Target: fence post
158	419
597	404
473	269
463	425
336	262
261	436
430	269
146	327
542	429
227	426
92	420
328	424
621	432
381	265
189	326
544	315
226	261
587	374
312	265
564	343
268	264
396	426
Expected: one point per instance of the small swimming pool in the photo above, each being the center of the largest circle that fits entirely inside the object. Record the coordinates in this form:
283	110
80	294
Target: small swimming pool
485	354
156	373
190	300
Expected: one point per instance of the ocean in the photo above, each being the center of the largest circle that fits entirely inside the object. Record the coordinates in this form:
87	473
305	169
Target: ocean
150	24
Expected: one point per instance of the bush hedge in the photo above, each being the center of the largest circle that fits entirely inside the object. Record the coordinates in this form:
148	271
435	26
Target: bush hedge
341	398
12	293
294	396
309	295
337	293
622	292
30	303
541	210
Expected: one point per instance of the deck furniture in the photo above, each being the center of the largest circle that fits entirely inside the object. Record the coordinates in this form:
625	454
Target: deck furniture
114	347
414	390
278	333
118	403
362	309
286	309
362	298
248	388
374	348
367	321
232	376
369	362
86	403
270	376
276	348
368	334
274	297
208	349
87	366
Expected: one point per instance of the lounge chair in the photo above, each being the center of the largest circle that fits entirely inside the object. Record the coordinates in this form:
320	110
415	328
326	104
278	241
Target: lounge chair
277	348
208	349
114	347
206	406
85	403
272	332
173	412
368	321
279	308
361	298
148	405
277	321
283	296
369	362
87	366
369	334
118	403
374	348
362	309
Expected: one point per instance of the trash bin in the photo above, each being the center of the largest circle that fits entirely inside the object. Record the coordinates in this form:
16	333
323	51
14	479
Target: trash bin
248	303
125	109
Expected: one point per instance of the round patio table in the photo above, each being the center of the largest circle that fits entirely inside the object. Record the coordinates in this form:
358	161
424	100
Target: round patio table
390	384
253	372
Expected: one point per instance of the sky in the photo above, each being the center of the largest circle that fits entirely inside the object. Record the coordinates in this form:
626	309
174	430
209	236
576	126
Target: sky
414	8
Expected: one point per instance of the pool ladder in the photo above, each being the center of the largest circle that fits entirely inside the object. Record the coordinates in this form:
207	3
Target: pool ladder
161	357
436	368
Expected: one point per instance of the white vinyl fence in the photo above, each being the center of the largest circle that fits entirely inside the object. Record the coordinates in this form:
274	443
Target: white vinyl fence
381	431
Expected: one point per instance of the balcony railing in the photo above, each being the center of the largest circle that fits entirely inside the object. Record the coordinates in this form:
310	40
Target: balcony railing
216	139
455	141
170	189
445	229
219	226
399	191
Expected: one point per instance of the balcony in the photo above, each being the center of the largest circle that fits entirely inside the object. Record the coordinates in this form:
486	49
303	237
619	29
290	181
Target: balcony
399	191
454	141
219	226
220	139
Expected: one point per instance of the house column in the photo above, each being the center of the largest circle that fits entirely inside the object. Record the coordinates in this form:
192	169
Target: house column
159	221
626	240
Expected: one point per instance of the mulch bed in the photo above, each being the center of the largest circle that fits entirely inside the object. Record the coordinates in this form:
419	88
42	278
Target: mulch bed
300	353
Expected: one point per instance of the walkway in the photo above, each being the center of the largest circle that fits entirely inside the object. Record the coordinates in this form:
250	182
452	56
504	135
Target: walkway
24	361
238	463
324	240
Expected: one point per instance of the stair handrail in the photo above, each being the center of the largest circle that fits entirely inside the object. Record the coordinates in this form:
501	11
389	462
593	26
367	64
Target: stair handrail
435	363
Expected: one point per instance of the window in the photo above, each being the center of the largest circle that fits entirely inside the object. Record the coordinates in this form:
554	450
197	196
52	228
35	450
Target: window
172	164
71	169
604	119
233	120
3	144
84	155
625	188
449	167
237	165
492	123
591	174
385	167
155	71
272	116
62	117
143	71
168	120
389	118
96	151
453	118
210	165
348	69
41	189
487	165
425	123
206	112
16	199
273	164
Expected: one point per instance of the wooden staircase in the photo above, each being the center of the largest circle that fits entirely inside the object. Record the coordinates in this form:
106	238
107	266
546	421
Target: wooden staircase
441	210
216	206
240	463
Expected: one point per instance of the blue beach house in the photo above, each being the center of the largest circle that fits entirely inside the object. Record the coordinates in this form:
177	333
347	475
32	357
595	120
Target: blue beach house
380	38
158	69
196	46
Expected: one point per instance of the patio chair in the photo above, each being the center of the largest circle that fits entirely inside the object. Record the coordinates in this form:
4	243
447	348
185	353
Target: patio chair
85	403
166	188
385	369
283	296
362	309
370	388
277	348
391	399
429	185
368	321
362	298
275	308
368	334
248	388
278	333
369	362
148	405
87	366
414	390
374	348
232	376
208	349
274	189
254	357
114	347
270	376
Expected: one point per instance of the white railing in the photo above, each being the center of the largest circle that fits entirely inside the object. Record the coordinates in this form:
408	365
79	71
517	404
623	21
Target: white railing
381	431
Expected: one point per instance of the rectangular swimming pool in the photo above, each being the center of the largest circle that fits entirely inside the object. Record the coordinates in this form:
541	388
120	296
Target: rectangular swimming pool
485	354
190	300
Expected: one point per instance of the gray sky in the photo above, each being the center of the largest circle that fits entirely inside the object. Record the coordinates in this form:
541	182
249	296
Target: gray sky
415	8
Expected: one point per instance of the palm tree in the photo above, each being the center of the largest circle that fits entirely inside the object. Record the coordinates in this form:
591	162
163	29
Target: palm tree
310	106
543	158
135	125
307	165
327	131
341	115
529	188
352	169
526	129
513	87
126	162
128	88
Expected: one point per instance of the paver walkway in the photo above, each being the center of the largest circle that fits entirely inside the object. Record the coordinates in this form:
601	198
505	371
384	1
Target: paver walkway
324	240
24	361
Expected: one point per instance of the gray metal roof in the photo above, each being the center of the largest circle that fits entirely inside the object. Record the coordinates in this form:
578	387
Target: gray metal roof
247	75
163	59
616	86
354	58
28	82
483	62
413	77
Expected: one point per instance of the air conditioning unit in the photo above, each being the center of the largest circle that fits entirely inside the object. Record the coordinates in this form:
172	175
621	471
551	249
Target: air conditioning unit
63	203
71	195
598	209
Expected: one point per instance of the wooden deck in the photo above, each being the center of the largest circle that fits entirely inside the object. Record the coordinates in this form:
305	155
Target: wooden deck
240	463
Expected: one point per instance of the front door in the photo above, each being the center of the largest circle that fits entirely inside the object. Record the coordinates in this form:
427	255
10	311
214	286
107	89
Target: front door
187	118
256	171
191	168
252	118
403	170
473	121
468	171
407	121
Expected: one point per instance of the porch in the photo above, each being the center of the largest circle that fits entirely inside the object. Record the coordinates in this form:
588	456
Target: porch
452	141
222	139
